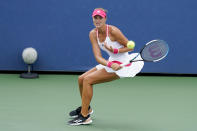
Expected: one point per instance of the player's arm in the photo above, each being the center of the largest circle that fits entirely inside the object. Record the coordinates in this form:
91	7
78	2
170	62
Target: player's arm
120	38
96	49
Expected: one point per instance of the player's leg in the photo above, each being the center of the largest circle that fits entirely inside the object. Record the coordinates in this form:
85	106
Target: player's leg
76	112
99	76
81	77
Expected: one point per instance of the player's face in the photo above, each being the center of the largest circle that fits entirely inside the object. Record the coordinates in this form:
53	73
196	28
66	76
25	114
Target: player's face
98	21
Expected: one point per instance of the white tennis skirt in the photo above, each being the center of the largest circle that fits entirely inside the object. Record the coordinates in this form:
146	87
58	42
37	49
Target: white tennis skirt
127	71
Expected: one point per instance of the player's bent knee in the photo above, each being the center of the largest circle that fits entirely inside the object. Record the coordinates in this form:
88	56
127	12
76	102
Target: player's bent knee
87	80
80	79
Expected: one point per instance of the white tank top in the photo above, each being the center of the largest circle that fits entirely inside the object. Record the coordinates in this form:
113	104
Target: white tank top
120	56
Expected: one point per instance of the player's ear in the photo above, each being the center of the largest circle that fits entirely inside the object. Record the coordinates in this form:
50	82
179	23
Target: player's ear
105	19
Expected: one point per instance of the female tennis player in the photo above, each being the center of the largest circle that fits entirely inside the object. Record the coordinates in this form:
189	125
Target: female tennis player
110	39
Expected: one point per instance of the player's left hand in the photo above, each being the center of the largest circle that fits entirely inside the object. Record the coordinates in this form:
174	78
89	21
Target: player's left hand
110	48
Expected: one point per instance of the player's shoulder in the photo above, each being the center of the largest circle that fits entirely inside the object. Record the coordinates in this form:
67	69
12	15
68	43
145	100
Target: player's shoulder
113	29
92	32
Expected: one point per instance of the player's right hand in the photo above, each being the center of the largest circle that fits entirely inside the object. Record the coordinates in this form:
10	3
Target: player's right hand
116	66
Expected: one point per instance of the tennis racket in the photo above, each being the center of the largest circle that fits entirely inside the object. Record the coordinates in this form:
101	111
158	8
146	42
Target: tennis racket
153	51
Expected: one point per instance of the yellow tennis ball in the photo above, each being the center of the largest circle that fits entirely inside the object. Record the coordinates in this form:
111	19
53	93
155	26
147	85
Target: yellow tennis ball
131	44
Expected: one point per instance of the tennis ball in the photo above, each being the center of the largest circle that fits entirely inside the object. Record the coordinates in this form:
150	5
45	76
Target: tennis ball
131	44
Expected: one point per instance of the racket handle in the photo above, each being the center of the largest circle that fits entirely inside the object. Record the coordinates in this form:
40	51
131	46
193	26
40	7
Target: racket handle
132	60
124	64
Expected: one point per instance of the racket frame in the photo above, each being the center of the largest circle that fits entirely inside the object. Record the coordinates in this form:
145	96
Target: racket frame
133	60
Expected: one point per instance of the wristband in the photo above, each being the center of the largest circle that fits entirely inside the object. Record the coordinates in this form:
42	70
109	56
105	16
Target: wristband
109	64
116	51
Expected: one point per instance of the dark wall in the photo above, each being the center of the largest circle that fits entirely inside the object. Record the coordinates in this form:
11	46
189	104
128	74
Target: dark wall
59	30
